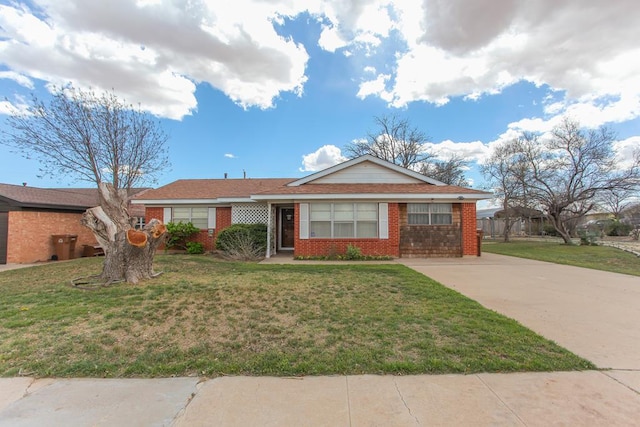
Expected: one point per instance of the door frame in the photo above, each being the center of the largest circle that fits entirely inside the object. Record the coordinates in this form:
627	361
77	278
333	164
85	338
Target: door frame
280	209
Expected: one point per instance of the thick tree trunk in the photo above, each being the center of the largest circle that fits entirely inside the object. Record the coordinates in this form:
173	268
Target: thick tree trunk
558	224
128	253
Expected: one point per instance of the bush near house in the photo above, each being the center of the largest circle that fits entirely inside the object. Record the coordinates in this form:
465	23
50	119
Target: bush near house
243	241
178	234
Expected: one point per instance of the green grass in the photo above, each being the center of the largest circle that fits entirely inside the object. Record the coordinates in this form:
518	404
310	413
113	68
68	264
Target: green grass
596	257
208	317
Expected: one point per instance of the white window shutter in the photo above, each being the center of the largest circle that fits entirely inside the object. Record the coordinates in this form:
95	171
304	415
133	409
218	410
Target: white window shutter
166	216
383	220
304	220
211	219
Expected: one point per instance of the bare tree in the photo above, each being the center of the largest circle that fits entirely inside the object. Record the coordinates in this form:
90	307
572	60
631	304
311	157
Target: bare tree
395	141
449	171
102	140
501	171
565	174
617	200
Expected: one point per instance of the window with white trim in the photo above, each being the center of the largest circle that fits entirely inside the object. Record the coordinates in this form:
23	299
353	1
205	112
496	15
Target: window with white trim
343	220
429	213
197	216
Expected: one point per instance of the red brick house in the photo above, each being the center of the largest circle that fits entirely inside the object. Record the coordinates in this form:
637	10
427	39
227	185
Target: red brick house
29	216
381	208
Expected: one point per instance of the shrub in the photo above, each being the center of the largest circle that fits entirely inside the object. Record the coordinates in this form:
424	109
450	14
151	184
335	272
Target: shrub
588	237
550	230
195	248
617	228
635	234
243	241
353	253
178	234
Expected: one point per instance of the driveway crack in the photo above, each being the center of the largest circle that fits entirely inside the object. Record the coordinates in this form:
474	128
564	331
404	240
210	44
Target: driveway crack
404	402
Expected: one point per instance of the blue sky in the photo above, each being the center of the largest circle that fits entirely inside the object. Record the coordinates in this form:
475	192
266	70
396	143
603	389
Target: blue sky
277	89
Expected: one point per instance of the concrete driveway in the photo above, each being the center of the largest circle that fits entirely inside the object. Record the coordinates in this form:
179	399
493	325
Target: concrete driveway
594	314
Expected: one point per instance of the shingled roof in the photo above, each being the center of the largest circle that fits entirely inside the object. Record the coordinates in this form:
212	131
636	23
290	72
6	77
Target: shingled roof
79	199
214	188
51	198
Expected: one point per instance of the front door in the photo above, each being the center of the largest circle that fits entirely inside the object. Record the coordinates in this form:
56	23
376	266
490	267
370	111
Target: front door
286	228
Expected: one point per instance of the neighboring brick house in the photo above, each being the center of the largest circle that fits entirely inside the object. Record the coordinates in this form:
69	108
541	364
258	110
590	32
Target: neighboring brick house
29	216
381	208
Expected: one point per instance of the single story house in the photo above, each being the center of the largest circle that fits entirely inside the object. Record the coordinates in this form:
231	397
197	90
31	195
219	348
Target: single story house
30	216
377	206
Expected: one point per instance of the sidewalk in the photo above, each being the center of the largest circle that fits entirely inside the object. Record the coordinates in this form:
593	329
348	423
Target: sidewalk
524	399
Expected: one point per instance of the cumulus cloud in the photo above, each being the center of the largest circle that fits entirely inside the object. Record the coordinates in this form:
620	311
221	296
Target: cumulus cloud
324	157
458	49
474	151
155	53
230	156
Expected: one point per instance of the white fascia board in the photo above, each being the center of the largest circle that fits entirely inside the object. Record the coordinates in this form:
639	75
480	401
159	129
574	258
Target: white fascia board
235	200
372	196
365	158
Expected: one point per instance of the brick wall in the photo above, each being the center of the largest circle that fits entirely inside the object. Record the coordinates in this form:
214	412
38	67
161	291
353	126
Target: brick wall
323	247
431	240
469	233
223	220
29	234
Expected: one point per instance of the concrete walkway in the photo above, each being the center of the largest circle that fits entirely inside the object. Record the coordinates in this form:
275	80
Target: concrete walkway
593	314
537	399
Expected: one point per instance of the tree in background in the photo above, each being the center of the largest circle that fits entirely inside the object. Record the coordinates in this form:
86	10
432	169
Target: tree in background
100	139
617	200
450	171
501	171
397	141
565	175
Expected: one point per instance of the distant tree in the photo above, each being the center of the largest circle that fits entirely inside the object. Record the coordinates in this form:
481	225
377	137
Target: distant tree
501	171
617	200
395	140
565	174
102	140
449	171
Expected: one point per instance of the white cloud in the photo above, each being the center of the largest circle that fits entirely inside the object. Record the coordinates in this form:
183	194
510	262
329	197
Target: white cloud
474	151
18	78
230	156
155	52
626	150
454	48
324	157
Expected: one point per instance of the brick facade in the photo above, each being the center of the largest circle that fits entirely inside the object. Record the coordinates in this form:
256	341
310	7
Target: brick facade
404	240
469	231
223	220
29	234
324	247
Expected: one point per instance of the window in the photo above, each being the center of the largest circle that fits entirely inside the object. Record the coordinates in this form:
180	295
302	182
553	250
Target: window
429	213
197	216
343	220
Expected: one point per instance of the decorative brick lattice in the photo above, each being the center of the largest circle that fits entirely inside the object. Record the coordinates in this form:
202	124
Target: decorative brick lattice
249	213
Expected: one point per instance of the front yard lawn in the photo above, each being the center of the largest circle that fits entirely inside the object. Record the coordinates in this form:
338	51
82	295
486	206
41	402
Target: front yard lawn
596	257
206	317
